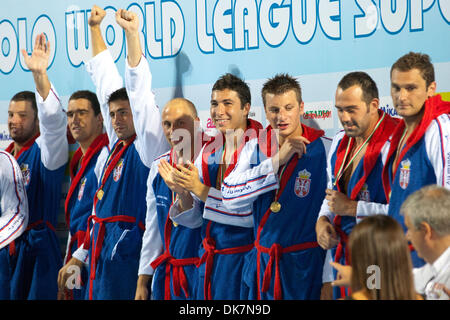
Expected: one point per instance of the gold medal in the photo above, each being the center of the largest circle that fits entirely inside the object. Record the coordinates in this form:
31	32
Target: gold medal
175	224
100	194
275	207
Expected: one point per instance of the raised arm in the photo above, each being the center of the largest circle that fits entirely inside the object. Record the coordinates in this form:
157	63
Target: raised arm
52	118
38	63
129	22
97	42
138	82
102	70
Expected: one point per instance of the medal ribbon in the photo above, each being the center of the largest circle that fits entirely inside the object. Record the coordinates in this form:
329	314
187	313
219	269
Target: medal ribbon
291	164
95	147
342	169
221	172
280	178
111	162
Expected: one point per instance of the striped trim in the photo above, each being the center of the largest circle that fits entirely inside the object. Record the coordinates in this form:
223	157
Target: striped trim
18	205
164	155
12	234
228	213
17	192
247	194
244	183
54	93
215	198
442	151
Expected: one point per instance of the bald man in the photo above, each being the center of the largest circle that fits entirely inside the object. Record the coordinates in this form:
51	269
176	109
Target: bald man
170	252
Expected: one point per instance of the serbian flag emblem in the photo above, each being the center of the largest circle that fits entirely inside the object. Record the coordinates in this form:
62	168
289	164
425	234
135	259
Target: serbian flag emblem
404	173
302	183
118	170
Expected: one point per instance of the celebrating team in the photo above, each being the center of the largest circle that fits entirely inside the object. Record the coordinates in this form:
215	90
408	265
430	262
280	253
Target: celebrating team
158	209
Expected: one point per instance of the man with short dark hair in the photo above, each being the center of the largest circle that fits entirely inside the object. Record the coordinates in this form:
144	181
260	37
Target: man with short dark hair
354	166
41	149
418	155
131	118
227	236
85	123
281	177
427	219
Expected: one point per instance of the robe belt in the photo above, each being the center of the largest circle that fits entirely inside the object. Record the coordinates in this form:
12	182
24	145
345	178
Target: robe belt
275	252
179	277
97	247
210	251
12	245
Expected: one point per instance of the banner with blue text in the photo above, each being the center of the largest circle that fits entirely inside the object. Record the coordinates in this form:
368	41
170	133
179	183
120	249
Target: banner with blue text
190	43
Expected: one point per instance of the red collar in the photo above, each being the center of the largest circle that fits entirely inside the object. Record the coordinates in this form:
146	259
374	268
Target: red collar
252	131
26	146
376	143
95	147
434	107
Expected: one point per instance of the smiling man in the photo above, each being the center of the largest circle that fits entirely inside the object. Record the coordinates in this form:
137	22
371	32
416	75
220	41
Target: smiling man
418	155
85	123
282	178
170	251
226	235
131	119
354	166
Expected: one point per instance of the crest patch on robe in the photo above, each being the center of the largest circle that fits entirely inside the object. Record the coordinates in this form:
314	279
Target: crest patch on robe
26	173
404	173
364	194
302	183
118	170
81	191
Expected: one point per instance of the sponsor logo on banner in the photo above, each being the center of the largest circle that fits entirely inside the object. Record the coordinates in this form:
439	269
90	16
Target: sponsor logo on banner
318	114
118	170
302	183
405	173
387	106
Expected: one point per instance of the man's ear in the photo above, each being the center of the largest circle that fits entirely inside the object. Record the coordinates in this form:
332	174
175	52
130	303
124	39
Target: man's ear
99	118
431	90
302	108
247	108
426	229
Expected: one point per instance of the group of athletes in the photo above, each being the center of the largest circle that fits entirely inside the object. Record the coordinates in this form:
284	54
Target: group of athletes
157	209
